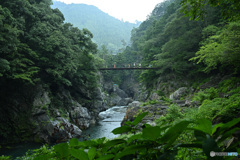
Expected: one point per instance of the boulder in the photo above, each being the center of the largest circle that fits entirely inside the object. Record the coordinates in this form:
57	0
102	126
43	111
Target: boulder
81	117
41	98
114	100
135	104
98	94
108	87
56	113
60	130
120	92
178	93
154	96
125	101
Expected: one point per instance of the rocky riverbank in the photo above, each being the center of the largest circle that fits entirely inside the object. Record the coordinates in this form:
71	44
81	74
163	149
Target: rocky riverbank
158	107
40	115
55	127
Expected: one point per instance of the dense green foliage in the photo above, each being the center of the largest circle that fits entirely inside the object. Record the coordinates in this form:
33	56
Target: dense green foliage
220	50
106	29
35	43
197	8
168	39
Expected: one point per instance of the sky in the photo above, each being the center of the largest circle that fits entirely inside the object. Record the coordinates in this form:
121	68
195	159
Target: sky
126	10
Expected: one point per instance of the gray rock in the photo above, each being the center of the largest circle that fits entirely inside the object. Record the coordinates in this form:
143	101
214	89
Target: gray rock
41	99
56	113
99	106
114	100
164	107
81	117
74	131
178	93
108	86
38	112
154	96
135	104
80	112
125	101
120	92
56	131
98	94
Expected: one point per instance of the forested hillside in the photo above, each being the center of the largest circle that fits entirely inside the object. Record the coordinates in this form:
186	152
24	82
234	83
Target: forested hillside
40	56
107	30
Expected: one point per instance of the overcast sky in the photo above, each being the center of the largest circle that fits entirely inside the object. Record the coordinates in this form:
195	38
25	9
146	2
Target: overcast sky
127	10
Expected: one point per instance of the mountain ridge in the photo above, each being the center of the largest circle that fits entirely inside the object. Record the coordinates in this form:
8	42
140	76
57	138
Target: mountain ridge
107	30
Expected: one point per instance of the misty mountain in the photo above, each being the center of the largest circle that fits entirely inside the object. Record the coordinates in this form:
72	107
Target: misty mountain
106	29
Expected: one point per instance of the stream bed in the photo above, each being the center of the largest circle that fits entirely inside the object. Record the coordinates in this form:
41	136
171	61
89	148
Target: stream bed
111	119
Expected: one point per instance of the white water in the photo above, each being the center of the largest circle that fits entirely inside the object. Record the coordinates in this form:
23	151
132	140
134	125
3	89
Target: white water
111	119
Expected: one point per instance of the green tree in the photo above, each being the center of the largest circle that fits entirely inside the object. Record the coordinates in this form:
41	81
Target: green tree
221	50
17	59
196	9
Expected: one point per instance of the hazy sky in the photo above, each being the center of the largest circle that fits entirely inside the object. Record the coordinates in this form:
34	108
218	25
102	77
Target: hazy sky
128	10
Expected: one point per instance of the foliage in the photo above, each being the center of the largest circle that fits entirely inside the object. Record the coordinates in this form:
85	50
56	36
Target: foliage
16	58
150	102
167	40
209	94
54	50
151	143
196	9
5	157
221	50
214	107
174	113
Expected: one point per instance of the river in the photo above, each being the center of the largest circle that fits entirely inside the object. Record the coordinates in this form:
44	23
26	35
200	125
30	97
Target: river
111	119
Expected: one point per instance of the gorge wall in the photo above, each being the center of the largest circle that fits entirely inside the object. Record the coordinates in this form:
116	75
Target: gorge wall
45	114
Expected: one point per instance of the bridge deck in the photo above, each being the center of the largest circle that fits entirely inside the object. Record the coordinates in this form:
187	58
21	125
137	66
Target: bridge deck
143	68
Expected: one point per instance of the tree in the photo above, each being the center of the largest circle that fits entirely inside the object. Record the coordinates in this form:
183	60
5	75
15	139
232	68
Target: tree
196	9
16	58
221	50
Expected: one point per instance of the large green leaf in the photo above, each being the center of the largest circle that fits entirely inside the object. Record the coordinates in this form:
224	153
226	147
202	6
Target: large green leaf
79	154
115	142
228	134
62	150
74	142
215	127
130	150
139	118
204	125
210	145
174	132
228	125
92	153
151	133
199	135
121	130
106	157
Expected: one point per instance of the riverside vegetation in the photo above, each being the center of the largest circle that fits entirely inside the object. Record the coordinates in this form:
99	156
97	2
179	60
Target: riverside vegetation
201	54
